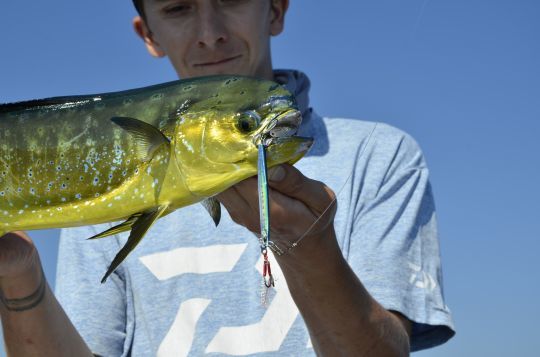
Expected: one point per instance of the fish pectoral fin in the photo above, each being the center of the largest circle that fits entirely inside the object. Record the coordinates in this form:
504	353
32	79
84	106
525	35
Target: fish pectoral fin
122	227
140	227
211	204
147	137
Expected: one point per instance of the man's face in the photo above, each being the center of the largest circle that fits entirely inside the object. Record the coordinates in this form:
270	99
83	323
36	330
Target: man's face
206	37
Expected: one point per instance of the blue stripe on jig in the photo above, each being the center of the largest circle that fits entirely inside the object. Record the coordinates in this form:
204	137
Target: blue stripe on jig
264	214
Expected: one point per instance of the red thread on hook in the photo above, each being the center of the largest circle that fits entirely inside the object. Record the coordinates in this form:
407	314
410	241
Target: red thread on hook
267	272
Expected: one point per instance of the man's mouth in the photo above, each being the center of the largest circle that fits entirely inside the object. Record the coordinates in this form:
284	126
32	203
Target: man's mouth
218	62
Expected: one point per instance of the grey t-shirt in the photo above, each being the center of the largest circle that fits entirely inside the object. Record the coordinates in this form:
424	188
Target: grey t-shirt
191	289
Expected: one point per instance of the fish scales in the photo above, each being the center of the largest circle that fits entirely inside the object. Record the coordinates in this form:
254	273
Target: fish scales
140	154
60	162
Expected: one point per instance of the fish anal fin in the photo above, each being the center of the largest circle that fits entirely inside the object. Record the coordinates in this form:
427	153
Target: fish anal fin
139	229
122	227
147	137
213	207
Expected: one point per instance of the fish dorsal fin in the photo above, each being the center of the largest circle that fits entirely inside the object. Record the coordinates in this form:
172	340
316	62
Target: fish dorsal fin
147	137
139	229
49	103
211	204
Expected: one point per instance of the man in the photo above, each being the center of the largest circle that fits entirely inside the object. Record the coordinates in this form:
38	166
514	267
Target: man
364	278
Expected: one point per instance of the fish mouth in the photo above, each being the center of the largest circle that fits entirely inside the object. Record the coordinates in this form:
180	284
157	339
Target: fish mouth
279	137
282	126
288	149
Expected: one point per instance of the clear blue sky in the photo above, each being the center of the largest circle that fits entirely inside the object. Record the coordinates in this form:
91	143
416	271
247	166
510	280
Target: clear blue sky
461	76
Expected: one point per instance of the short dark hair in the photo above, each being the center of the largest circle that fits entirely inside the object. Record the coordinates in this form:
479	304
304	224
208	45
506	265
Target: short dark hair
139	7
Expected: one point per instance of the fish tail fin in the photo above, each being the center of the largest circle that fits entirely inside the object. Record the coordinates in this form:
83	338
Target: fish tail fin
140	227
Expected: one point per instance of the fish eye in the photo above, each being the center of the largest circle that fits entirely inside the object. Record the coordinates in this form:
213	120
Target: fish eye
248	121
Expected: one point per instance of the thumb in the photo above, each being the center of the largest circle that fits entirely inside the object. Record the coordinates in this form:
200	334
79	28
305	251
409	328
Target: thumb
289	181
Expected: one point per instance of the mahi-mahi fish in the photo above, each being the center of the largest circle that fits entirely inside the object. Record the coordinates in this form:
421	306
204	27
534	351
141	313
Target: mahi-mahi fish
137	155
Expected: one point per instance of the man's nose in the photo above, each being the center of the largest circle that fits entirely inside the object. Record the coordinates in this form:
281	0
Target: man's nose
212	29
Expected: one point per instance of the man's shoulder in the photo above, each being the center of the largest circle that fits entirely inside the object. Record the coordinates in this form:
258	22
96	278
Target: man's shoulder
373	133
369	126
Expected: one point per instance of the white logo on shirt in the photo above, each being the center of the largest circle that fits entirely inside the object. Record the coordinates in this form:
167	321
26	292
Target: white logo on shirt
421	279
232	340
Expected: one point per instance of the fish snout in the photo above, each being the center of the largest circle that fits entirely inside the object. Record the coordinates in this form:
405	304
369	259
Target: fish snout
283	125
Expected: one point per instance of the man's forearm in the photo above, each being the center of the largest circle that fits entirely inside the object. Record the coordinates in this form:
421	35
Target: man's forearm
34	323
342	317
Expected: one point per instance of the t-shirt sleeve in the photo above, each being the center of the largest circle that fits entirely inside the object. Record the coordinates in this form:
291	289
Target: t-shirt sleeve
394	247
102	313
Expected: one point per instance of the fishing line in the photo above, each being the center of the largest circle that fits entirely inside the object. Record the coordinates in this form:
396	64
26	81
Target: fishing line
419	18
323	212
360	154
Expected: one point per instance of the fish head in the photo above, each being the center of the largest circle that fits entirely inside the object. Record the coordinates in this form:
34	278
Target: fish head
216	139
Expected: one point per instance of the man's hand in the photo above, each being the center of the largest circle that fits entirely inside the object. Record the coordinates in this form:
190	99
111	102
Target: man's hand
34	323
17	254
296	203
340	314
20	268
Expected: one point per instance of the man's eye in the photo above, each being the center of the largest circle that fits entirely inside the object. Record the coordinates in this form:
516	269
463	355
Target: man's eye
232	2
177	9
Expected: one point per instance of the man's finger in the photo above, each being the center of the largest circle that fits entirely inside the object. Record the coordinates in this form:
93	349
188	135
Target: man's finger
231	199
237	204
291	182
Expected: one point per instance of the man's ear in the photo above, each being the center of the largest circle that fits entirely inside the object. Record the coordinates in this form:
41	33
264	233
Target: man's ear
146	35
277	21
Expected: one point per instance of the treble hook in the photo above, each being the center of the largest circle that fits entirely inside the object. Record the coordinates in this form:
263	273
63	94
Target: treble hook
267	273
